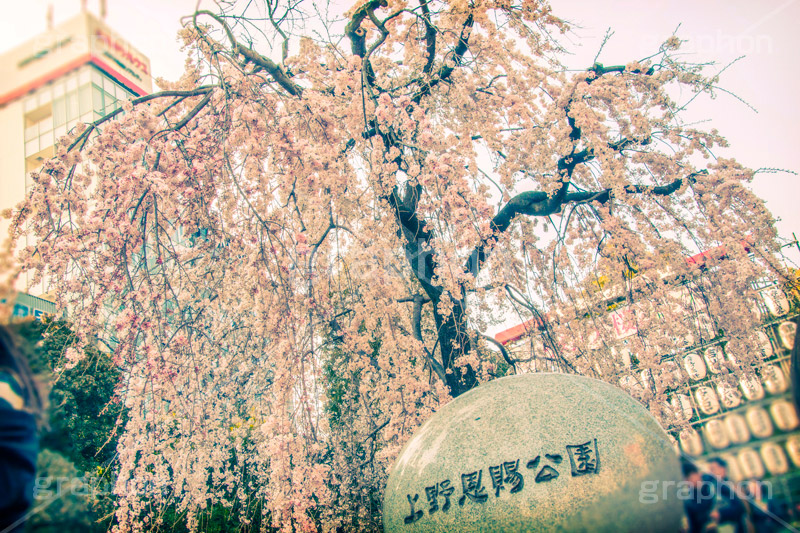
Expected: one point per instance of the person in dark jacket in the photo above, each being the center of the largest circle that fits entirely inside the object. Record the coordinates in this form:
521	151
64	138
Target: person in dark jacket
731	510
20	405
700	502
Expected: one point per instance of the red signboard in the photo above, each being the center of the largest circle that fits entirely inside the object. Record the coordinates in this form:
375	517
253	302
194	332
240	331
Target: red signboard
122	50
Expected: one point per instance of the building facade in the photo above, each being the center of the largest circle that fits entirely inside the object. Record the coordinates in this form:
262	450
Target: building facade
76	72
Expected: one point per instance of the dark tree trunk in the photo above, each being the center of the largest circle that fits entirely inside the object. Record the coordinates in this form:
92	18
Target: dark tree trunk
453	334
455	341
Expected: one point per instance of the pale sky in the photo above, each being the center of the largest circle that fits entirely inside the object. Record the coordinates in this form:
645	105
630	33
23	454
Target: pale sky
764	32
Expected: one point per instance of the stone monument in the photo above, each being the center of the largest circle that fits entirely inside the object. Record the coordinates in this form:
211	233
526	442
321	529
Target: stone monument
536	452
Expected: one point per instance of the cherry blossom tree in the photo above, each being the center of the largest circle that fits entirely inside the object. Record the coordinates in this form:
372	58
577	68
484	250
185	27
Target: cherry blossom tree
294	251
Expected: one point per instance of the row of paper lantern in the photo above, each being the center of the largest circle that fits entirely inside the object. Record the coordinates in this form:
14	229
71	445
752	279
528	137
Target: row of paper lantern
697	367
773	299
747	463
710	399
712	359
735	428
773	381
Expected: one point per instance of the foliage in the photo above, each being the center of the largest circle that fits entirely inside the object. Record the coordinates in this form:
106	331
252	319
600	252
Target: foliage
82	415
79	440
403	174
63	501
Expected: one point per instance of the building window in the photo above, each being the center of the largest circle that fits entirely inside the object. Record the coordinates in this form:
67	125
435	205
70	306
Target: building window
84	95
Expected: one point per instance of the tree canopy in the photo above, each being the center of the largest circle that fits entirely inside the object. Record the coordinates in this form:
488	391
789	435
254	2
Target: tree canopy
294	251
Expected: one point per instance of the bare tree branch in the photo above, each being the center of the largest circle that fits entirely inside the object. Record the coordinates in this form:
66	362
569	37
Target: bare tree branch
503	351
539	204
447	69
430	37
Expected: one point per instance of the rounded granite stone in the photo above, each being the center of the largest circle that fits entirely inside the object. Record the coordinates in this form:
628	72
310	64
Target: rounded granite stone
536	452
